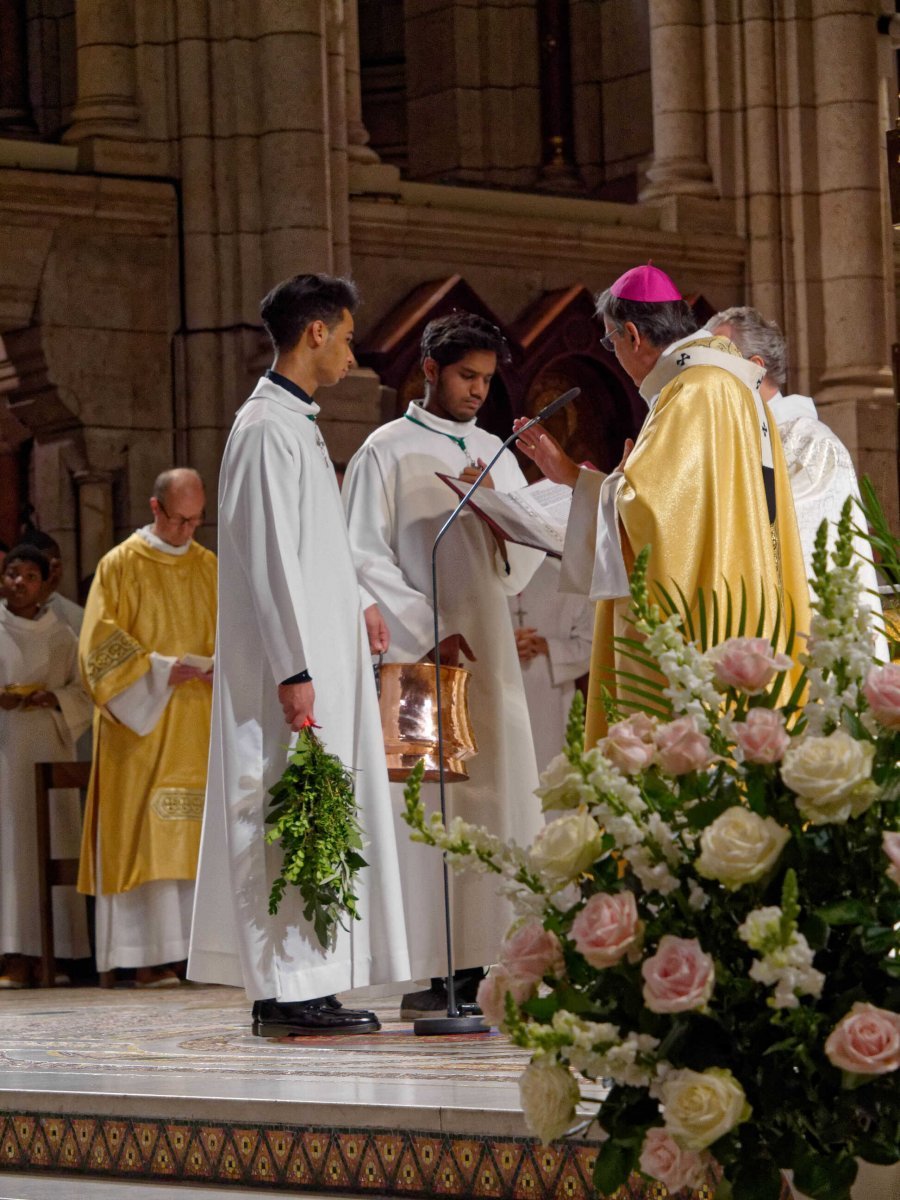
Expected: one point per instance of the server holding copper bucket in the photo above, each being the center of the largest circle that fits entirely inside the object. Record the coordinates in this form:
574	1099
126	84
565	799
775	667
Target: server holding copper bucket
396	507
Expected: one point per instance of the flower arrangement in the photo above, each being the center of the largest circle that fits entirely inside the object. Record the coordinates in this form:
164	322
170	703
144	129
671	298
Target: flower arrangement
313	815
709	923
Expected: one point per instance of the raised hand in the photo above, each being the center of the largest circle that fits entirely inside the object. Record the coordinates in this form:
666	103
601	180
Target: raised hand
544	450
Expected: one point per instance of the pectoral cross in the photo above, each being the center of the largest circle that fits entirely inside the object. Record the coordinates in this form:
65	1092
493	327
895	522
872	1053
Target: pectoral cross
520	611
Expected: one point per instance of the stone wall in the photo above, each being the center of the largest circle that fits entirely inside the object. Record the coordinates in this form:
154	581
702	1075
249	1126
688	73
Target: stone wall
213	149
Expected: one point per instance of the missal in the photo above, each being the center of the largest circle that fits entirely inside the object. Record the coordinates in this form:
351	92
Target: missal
533	516
203	662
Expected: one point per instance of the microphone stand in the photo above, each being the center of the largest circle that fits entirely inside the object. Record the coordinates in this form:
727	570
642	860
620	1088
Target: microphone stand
456	1021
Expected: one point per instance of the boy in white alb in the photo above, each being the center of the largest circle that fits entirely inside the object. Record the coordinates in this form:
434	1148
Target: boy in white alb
43	710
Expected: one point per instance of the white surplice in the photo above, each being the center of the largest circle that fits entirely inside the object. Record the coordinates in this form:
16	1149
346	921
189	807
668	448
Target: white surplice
45	652
288	601
395	507
822	477
567	623
151	924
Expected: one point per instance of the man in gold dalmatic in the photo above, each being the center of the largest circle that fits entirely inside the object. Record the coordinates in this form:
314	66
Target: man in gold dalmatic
704	485
150	612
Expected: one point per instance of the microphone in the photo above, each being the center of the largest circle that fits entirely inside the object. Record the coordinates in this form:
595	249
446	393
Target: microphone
550	409
455	1021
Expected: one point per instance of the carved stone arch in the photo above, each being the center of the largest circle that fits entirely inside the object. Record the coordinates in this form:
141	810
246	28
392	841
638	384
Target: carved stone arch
72	472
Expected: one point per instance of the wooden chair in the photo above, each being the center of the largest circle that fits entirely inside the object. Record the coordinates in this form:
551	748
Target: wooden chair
53	872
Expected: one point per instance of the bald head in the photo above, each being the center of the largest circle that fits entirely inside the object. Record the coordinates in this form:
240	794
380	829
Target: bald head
178	503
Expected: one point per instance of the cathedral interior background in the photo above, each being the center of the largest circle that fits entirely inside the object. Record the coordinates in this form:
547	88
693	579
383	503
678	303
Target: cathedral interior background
164	162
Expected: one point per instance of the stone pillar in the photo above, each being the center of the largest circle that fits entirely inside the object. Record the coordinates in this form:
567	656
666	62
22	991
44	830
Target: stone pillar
338	131
358	148
765	257
679	165
96	525
855	392
107	103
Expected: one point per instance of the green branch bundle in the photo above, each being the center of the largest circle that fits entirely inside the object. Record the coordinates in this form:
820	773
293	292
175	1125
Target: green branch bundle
313	815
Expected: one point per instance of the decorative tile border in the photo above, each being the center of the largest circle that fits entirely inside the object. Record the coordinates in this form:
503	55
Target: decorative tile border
381	1162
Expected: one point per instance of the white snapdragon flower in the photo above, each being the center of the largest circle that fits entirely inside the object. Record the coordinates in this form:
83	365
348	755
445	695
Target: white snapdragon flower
655	876
786	958
562	786
697	897
664	836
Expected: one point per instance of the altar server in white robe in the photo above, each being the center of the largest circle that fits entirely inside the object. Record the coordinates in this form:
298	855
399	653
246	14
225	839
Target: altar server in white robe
395	507
293	644
67	610
553	637
819	465
43	709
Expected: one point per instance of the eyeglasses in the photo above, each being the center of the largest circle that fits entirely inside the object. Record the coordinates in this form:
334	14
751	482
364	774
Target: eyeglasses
607	342
181	522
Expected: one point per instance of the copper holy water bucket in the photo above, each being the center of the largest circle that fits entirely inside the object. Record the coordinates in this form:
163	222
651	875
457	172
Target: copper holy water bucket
407	699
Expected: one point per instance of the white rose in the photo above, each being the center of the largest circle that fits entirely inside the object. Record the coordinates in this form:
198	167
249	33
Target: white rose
561	785
740	847
700	1107
832	777
549	1094
566	847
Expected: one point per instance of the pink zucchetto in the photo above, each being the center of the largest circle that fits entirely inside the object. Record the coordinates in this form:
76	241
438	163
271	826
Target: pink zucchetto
648	284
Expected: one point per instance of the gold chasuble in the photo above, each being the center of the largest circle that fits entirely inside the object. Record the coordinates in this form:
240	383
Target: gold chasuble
146	792
693	490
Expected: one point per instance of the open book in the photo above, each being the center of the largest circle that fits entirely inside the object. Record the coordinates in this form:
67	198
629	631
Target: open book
533	516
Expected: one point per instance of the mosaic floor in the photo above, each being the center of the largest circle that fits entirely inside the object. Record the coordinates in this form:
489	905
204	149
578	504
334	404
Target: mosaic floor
172	1087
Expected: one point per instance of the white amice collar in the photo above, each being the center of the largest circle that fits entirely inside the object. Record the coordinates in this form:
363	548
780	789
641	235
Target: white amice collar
453	429
156	543
700	349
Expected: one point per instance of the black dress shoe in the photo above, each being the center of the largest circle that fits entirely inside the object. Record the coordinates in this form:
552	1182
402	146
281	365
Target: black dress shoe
324	1016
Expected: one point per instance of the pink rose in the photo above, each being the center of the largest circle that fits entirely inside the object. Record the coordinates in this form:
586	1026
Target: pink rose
491	996
607	928
678	977
682	747
629	744
890	844
532	952
748	664
762	737
663	1159
882	691
866	1041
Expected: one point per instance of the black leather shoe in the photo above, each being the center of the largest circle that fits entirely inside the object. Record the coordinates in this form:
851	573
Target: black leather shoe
274	1018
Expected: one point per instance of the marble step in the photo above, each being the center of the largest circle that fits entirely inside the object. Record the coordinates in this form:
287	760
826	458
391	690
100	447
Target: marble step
15	1186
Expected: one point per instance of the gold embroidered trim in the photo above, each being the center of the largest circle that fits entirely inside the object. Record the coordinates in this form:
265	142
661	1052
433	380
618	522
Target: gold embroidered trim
117	649
779	573
177	804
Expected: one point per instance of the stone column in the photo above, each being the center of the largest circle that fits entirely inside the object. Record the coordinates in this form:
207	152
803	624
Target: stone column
107	103
358	147
338	131
763	182
96	526
679	108
855	392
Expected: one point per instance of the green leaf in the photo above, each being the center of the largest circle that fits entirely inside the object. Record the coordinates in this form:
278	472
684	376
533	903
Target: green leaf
614	1165
759	1179
845	912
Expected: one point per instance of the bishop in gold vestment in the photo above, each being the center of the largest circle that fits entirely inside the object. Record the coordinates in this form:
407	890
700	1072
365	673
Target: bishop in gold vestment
705	485
152	602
